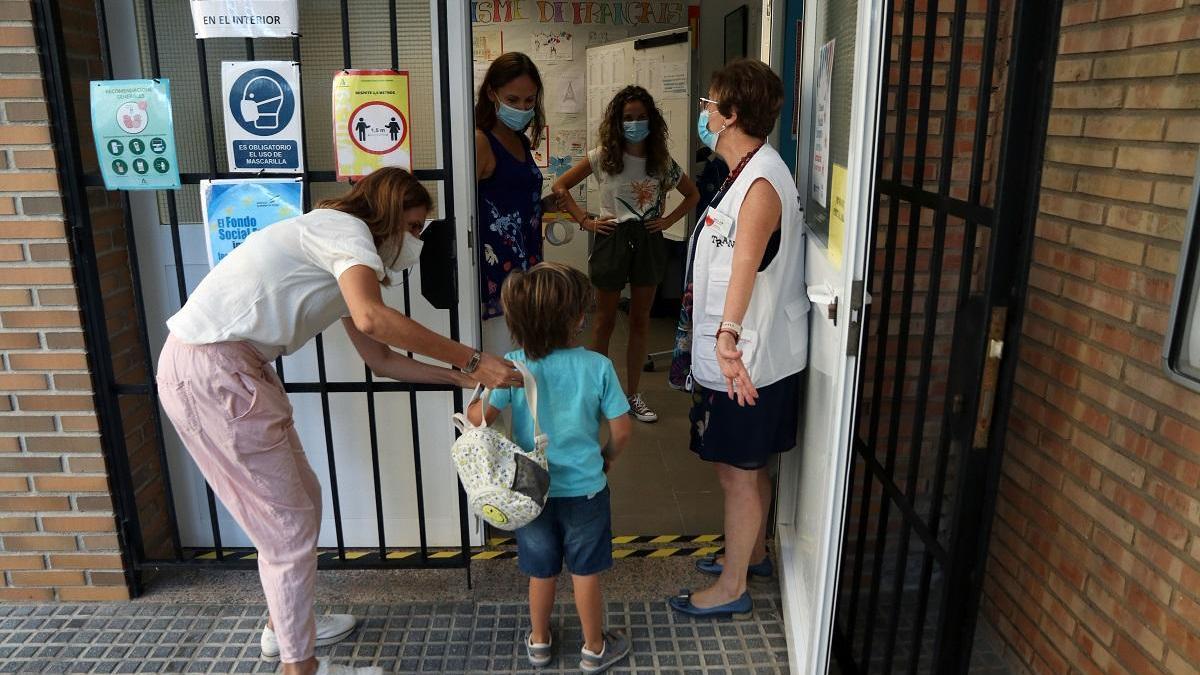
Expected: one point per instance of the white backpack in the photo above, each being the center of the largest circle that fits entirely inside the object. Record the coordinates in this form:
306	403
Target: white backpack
506	485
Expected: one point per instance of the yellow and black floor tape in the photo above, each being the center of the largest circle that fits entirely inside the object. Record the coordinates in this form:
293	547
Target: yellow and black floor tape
649	546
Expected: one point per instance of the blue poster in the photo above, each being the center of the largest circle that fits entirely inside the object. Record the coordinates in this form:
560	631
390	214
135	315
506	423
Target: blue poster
234	209
262	116
135	134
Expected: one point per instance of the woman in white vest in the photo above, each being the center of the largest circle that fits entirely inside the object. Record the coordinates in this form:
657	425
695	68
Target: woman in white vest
749	325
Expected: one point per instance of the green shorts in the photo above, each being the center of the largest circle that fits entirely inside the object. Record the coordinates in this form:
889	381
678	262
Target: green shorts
630	254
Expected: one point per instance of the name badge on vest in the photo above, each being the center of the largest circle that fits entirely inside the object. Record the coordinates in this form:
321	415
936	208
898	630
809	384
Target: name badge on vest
720	221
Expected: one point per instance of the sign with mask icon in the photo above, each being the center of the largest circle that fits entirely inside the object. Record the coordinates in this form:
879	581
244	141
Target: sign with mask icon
370	121
262	116
237	208
135	134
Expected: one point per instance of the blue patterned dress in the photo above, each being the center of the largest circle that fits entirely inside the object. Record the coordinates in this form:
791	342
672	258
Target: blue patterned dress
510	218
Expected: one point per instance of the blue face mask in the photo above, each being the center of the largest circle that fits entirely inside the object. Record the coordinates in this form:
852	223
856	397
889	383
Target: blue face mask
707	137
636	132
514	119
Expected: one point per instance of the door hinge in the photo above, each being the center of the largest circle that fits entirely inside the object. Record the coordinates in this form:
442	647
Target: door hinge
991	375
856	307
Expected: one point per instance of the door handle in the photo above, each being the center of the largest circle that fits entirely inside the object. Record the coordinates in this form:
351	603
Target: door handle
825	295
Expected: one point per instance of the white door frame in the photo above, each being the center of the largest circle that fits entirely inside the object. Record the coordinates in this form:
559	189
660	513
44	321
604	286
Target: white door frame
809	628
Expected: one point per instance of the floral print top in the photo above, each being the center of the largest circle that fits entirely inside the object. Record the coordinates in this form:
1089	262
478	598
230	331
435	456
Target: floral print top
510	221
632	194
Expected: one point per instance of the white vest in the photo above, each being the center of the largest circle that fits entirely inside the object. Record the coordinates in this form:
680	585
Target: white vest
774	339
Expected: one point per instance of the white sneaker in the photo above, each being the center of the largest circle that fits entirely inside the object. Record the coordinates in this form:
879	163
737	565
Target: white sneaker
331	629
324	667
641	411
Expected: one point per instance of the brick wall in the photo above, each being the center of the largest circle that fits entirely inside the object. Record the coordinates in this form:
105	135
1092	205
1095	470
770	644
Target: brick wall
1095	556
57	530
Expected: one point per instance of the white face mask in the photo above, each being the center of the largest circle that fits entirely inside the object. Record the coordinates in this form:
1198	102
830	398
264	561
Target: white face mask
410	253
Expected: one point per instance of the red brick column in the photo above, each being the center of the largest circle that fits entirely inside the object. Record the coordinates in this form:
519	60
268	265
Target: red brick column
1095	552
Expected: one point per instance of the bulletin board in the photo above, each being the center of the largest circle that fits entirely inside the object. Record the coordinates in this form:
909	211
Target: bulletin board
556	35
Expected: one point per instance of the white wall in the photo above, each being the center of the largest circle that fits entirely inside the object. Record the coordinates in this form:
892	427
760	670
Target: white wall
712	35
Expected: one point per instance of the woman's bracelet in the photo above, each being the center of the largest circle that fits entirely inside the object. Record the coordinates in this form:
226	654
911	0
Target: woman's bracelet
723	329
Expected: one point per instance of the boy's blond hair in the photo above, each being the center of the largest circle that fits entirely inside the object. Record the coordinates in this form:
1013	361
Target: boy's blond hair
544	305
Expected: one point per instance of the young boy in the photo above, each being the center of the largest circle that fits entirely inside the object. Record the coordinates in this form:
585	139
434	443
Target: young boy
545	309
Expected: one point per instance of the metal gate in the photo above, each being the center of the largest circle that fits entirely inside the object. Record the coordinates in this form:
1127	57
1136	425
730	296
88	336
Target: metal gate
959	171
116	392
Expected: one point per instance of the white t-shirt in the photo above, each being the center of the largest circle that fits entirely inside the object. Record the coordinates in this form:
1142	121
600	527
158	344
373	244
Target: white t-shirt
279	289
631	194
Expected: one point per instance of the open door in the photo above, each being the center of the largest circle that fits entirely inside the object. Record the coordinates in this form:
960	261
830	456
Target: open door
835	172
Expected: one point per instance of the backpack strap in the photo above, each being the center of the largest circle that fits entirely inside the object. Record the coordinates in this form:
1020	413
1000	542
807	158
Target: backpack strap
481	394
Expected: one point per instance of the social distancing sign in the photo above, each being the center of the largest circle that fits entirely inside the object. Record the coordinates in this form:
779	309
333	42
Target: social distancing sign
371	121
262	116
245	18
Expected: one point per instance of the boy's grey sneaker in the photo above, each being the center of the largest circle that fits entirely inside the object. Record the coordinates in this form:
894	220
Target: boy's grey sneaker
540	655
616	648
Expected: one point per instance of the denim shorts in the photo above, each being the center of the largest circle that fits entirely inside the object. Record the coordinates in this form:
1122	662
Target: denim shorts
577	529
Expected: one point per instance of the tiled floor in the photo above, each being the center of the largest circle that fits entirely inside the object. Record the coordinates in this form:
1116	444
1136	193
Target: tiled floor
659	486
460	637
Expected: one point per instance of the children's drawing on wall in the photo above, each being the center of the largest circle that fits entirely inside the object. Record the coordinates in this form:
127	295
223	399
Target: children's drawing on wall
487	43
552	47
541	152
570	143
599	37
570	98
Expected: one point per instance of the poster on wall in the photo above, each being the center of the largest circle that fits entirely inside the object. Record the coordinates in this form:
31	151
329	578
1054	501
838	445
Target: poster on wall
135	134
551	47
837	214
245	18
262	116
371	121
569	99
487	43
236	208
820	155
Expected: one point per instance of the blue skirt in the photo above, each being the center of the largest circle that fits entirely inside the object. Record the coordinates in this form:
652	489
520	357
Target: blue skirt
723	431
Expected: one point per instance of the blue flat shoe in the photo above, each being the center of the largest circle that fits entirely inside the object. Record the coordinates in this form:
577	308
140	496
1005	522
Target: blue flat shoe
709	565
738	609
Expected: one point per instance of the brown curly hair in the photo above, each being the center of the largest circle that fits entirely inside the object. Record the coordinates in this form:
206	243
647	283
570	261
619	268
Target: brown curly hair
751	89
612	134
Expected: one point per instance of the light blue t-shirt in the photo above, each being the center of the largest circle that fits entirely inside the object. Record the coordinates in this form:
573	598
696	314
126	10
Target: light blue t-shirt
577	388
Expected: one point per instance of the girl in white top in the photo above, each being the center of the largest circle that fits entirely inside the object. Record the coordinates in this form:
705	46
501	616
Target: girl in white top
271	295
635	173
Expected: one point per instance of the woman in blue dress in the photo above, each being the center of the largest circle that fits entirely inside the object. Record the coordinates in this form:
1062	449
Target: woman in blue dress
509	120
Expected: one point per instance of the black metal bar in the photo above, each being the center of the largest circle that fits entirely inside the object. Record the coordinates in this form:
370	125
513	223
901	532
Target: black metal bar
323	563
376	480
1026	118
329	454
434	175
885	294
249	48
139	304
316	388
891	491
345	8
210	141
395	38
55	69
177	253
448	185
415	428
932	294
979	144
967	210
901	361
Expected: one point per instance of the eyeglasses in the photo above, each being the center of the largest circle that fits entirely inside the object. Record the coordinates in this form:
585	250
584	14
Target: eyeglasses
705	102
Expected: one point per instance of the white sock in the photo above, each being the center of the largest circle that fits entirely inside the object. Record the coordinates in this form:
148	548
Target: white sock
592	653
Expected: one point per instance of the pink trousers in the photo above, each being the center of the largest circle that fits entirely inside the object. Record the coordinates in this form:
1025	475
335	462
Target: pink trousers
233	415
